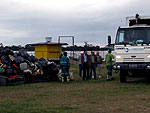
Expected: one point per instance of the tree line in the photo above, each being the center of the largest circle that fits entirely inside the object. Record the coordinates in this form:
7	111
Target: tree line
26	47
67	48
83	48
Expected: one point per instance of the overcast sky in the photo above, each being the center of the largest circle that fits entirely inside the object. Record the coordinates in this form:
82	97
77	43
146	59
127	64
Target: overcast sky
29	21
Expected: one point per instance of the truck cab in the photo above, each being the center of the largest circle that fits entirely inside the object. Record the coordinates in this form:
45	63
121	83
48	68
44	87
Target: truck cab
132	48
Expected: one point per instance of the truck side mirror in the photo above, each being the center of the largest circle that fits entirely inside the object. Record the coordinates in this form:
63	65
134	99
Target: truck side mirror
109	40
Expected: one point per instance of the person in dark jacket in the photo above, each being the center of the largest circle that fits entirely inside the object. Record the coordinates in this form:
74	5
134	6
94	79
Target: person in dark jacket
85	60
80	65
65	65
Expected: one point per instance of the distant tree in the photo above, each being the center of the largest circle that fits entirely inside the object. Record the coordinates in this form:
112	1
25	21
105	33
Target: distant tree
29	47
82	48
16	48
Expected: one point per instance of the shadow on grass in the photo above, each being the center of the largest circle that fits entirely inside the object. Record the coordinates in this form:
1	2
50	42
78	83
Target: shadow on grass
139	81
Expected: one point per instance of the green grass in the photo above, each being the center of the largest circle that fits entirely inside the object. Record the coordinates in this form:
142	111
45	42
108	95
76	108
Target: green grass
94	96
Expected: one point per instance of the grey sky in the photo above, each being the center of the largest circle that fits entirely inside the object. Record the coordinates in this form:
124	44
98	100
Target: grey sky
29	21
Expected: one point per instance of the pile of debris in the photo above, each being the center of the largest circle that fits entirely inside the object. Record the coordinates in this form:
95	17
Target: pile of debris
19	67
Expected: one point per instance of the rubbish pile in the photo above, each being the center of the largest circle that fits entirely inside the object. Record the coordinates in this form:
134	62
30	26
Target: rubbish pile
20	67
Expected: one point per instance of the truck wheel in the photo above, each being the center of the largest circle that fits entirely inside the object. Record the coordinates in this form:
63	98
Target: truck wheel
123	75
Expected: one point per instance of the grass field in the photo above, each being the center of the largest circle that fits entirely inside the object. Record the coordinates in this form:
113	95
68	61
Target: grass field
94	96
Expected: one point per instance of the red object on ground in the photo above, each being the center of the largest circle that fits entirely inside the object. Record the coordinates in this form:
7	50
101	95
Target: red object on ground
15	66
15	76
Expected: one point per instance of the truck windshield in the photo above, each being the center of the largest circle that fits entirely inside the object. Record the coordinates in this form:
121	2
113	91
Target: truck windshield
133	36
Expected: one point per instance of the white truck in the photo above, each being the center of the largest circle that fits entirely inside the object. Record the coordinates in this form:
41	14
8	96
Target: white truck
132	48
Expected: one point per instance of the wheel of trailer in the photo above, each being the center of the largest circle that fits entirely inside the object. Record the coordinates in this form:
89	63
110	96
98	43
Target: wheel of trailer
27	77
3	81
123	75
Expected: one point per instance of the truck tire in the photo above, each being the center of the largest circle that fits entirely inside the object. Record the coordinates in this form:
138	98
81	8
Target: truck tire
123	74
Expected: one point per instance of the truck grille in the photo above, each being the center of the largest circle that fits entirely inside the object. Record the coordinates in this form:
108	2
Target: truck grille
133	59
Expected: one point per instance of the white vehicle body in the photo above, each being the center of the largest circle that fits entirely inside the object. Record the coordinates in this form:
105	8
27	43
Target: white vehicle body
132	54
132	48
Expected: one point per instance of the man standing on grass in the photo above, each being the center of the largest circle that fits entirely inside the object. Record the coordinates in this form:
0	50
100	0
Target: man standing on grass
80	64
85	59
93	60
108	59
65	65
99	62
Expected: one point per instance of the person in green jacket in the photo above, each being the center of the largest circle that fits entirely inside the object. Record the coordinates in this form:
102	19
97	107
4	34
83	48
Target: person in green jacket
65	65
108	59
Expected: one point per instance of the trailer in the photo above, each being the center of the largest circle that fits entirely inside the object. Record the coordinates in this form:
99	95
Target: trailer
6	81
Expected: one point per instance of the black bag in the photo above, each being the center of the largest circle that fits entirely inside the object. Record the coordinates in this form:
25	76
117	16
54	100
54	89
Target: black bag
2	71
39	65
23	53
32	59
4	60
19	59
8	51
43	59
54	68
44	64
10	72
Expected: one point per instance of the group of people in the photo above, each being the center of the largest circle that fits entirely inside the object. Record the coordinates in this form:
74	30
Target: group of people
87	65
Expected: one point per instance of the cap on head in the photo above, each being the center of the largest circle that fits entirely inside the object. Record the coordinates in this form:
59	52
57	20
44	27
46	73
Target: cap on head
65	53
109	50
